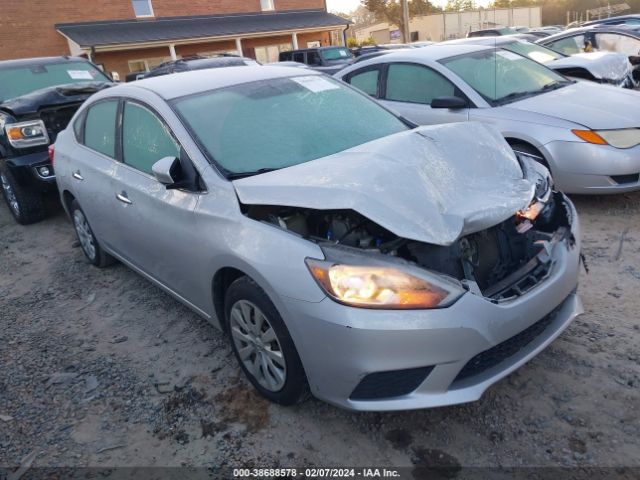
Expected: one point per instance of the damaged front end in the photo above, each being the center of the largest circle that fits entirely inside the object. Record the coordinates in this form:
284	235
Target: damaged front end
499	263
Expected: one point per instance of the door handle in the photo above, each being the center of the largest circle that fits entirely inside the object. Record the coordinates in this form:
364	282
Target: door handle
77	175
123	198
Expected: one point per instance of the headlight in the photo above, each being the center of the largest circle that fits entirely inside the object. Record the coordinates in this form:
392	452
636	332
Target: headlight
623	138
27	134
381	287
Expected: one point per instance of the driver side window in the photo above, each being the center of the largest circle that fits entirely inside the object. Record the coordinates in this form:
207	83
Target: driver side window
145	138
569	45
417	84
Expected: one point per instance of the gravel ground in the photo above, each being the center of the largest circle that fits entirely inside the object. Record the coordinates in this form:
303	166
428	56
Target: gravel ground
101	368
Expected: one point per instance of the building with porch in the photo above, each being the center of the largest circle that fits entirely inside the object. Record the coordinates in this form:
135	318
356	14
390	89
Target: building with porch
125	36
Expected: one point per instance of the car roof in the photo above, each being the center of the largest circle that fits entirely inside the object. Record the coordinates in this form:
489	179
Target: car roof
433	52
633	30
198	81
612	19
496	40
32	62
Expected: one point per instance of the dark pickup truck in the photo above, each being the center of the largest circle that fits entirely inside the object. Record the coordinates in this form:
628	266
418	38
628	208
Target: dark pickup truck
38	97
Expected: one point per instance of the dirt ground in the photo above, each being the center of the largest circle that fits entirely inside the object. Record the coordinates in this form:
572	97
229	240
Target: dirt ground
101	368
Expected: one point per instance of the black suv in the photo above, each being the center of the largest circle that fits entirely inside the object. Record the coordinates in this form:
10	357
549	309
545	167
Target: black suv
199	63
38	97
329	60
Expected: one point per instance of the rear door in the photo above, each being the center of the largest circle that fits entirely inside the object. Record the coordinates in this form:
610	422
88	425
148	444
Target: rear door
158	224
409	89
94	166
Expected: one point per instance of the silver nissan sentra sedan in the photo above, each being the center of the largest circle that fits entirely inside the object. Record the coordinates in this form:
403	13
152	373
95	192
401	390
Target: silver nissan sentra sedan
587	134
342	250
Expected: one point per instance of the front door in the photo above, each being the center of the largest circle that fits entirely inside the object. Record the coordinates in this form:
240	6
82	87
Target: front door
410	88
158	224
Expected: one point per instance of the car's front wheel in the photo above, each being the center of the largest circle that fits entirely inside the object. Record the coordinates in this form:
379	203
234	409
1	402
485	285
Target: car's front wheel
88	242
262	344
25	204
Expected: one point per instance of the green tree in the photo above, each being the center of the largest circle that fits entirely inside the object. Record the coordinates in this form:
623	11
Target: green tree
390	11
459	5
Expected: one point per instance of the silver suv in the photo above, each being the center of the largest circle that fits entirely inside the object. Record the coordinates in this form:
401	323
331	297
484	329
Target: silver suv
342	251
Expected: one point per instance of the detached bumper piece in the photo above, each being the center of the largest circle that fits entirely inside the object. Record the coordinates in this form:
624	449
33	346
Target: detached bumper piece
394	383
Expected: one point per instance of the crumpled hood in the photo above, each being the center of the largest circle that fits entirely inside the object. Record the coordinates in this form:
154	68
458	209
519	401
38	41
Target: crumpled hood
432	184
602	65
52	96
586	103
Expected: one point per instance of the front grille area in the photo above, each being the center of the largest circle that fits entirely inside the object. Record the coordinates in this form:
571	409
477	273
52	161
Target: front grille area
622	179
393	383
495	355
57	119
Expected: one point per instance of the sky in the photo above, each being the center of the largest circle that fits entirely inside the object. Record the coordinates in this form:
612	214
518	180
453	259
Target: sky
350	5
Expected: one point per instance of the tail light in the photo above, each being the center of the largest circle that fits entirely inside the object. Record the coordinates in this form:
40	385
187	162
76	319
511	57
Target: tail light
52	152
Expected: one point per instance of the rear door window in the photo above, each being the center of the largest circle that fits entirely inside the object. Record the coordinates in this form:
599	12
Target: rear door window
145	138
366	80
298	57
100	127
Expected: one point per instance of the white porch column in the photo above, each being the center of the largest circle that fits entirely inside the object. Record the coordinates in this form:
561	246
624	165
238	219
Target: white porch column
172	50
294	40
239	46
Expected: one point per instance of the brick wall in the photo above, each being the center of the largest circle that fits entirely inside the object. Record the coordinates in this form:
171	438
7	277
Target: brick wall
27	27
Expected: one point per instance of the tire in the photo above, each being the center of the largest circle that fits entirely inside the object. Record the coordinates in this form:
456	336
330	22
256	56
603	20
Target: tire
25	204
88	241
272	351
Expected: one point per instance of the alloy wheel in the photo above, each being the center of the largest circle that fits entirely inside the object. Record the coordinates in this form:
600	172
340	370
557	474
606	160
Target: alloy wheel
84	234
257	345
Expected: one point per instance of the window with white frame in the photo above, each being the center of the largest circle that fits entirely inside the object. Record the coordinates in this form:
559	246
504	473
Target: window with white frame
267	5
142	8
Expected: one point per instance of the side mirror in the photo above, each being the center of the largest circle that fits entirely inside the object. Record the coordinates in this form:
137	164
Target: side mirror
166	170
449	102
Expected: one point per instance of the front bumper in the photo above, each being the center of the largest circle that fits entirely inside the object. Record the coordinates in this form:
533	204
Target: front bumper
583	168
27	169
340	346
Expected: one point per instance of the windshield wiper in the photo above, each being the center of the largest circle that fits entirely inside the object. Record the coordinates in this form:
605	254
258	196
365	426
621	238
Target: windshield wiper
555	84
239	175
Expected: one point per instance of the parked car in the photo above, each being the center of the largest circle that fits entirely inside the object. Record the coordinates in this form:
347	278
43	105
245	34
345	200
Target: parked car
492	32
599	38
602	67
369	49
38	97
587	134
324	59
609	38
199	63
383	266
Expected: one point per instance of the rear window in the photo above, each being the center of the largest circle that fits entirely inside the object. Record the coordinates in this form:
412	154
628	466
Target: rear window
19	81
336	54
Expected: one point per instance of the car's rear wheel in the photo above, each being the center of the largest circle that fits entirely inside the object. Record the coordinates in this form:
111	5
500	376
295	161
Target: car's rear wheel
88	241
262	344
25	204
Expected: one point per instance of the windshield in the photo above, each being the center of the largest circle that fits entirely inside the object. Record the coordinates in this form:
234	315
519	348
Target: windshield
335	54
18	81
277	123
501	76
534	52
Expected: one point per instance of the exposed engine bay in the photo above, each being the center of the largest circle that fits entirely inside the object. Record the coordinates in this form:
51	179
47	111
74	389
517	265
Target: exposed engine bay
502	262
